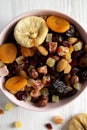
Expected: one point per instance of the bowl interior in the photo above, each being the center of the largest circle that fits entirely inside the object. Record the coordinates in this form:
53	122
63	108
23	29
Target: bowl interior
4	34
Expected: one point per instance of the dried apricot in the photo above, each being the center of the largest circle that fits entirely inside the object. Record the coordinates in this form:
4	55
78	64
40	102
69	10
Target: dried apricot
58	24
15	84
27	51
8	52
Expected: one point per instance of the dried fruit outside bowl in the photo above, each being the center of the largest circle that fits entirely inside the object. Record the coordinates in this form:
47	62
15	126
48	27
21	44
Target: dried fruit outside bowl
4	34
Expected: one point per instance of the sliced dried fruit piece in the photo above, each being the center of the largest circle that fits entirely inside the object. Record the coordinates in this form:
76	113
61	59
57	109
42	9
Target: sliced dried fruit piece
55	98
72	40
8	106
23	74
78	46
49	37
58	24
42	50
19	60
18	124
8	52
4	71
1	111
50	62
58	120
78	86
27	51
44	92
15	84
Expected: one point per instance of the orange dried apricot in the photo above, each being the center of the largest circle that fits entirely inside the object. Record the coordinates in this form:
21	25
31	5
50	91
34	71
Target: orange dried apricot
15	84
58	24
8	52
27	51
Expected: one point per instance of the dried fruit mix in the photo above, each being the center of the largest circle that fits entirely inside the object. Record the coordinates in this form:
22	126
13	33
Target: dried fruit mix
44	62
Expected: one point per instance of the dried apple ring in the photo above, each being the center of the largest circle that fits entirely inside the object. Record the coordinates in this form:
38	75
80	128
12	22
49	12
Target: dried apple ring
58	24
8	52
15	84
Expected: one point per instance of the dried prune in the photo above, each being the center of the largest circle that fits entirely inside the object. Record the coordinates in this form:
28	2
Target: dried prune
58	87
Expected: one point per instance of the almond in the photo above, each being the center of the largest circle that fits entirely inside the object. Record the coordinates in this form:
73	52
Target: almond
42	50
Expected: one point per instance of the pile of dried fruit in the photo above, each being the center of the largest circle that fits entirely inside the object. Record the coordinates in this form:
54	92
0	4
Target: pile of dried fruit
43	60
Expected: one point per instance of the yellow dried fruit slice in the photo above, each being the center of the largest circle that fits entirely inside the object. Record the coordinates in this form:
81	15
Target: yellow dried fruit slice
58	24
18	124
8	106
15	84
8	52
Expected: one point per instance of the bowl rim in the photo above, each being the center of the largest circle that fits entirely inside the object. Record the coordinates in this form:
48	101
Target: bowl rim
38	12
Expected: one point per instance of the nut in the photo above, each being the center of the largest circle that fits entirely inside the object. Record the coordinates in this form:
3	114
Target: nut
37	84
42	50
74	79
42	69
61	65
33	73
62	50
72	40
58	120
35	93
43	101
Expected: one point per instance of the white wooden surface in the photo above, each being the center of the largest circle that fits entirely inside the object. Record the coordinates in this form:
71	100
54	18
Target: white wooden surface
77	9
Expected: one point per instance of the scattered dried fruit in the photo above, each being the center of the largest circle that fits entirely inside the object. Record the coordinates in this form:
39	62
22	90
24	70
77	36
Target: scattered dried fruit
1	111
8	106
58	120
18	124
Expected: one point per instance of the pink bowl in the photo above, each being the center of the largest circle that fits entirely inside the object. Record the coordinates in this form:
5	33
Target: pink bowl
4	34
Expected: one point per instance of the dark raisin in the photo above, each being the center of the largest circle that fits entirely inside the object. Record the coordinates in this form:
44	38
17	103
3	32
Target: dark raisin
77	54
66	44
74	70
13	68
21	95
71	31
83	76
71	93
49	126
58	87
55	37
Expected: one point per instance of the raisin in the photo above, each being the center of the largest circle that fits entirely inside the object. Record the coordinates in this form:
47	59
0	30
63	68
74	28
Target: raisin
48	126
